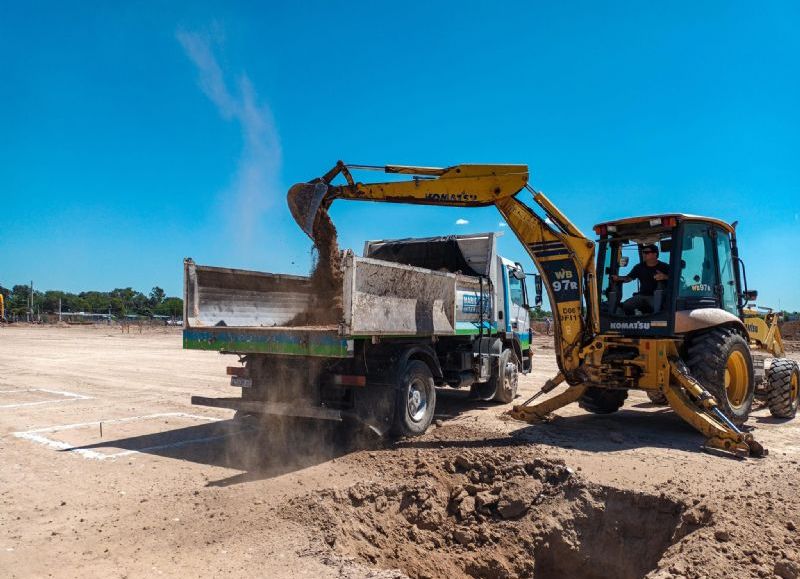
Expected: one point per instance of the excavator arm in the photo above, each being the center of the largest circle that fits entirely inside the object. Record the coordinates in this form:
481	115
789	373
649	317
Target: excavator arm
561	253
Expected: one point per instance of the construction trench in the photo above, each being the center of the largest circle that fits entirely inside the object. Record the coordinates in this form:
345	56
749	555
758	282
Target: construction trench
493	514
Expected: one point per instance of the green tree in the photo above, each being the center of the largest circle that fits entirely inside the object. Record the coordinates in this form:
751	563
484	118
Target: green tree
172	307
18	300
157	296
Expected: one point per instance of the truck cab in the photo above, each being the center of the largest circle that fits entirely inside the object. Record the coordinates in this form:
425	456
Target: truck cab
473	255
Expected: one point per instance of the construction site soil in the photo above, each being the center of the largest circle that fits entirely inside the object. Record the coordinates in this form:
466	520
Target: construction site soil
108	471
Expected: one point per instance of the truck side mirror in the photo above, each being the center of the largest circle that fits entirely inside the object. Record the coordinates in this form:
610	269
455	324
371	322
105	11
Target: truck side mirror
750	295
623	261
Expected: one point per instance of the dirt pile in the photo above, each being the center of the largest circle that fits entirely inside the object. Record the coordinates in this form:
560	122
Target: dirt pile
498	515
790	330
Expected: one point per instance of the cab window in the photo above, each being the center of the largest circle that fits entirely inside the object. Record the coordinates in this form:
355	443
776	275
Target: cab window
697	265
727	277
516	289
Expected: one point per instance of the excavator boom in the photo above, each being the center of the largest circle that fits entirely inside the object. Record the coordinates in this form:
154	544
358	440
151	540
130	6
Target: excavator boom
563	255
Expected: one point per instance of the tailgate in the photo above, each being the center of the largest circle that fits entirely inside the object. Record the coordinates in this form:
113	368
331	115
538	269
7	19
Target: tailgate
242	311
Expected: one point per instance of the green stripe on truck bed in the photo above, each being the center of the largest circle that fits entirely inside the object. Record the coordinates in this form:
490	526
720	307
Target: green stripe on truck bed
286	342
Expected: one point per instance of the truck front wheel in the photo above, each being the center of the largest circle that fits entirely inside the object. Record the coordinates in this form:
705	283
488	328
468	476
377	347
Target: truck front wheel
506	382
416	400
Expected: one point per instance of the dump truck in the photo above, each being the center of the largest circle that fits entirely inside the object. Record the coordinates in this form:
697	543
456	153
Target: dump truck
417	314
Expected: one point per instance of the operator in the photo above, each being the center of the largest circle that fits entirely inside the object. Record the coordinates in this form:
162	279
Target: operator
649	272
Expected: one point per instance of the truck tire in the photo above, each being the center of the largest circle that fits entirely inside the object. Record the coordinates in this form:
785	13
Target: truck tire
602	400
657	397
720	359
783	381
506	385
416	400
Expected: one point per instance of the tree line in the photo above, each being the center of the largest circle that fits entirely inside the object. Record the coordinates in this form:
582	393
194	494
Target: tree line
120	302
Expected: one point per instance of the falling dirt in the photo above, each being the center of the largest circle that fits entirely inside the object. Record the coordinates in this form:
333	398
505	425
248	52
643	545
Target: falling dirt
326	278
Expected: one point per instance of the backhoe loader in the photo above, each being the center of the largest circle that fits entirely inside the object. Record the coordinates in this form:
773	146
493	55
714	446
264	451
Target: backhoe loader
690	345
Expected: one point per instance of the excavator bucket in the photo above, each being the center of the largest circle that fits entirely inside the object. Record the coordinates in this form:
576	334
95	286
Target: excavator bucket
304	201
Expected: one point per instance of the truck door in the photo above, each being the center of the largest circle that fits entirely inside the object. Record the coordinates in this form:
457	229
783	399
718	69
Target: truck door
518	316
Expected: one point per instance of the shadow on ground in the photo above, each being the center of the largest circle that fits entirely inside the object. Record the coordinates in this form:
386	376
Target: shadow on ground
274	446
260	449
639	425
269	447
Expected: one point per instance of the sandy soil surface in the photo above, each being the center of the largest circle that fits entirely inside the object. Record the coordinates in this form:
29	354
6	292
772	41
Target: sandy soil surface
107	470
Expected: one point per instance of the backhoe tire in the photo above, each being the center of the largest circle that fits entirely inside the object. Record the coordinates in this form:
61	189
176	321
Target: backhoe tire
720	360
416	400
783	381
507	382
657	397
602	400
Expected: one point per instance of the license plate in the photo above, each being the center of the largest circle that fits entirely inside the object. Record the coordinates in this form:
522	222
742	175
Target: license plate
241	382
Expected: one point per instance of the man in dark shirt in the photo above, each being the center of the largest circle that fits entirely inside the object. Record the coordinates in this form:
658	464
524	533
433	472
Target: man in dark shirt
648	272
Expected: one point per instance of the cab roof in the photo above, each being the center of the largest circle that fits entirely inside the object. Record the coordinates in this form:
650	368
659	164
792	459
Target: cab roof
679	217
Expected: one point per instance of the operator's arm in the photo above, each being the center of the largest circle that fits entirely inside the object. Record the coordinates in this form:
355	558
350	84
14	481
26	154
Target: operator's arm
662	273
629	277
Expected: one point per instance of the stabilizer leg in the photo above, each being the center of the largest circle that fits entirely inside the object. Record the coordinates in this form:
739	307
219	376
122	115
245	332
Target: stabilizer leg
537	412
697	406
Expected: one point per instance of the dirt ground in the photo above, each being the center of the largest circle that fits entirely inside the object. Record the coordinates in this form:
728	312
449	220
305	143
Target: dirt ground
107	470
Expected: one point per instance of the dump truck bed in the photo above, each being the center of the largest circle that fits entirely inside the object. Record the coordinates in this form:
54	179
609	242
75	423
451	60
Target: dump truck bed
233	310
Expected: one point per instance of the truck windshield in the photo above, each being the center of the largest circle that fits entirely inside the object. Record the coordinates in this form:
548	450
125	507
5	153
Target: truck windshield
516	289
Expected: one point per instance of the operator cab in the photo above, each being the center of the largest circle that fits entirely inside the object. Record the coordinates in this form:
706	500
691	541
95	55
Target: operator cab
702	271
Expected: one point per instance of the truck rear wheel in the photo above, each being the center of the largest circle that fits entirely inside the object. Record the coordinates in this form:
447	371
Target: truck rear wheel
506	384
783	381
416	400
721	361
602	400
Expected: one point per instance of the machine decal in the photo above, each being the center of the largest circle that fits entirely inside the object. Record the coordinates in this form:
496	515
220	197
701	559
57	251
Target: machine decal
563	279
450	197
471	304
630	325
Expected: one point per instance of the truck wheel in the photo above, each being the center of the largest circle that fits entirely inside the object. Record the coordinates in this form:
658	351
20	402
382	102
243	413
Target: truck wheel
721	361
657	397
602	400
416	400
783	380
506	385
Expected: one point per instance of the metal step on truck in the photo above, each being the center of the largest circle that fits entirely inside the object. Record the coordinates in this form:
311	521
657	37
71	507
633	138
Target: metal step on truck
417	314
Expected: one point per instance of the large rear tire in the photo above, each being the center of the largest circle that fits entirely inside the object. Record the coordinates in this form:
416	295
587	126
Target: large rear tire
602	400
783	381
416	400
720	359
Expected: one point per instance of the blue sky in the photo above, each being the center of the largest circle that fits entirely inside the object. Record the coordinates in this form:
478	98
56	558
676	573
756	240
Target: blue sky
136	134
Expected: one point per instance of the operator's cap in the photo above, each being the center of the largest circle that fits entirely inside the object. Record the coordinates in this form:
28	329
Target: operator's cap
650	247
